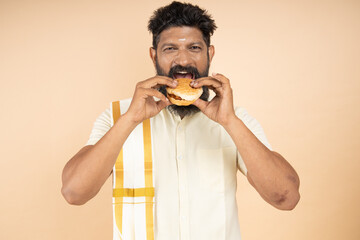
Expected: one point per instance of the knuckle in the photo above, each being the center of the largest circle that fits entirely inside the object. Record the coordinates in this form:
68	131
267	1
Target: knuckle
139	84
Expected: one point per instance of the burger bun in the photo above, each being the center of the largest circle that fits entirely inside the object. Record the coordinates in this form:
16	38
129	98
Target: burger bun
183	94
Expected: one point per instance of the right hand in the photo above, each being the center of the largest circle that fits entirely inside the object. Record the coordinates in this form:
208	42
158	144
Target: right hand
143	105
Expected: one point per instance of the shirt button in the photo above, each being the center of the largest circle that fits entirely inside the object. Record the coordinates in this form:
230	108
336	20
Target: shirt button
183	217
180	157
180	128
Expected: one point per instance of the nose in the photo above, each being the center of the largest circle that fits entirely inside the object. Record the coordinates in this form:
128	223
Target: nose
182	58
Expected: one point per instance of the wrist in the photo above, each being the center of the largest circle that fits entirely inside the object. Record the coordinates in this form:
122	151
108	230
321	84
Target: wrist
230	121
129	120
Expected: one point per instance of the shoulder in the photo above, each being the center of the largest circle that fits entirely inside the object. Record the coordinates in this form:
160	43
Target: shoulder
124	105
106	116
243	114
247	119
252	124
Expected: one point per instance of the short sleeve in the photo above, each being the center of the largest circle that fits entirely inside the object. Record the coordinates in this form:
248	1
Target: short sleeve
100	127
254	126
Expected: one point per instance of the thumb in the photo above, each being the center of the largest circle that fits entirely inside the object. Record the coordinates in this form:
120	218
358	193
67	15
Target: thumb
201	104
162	104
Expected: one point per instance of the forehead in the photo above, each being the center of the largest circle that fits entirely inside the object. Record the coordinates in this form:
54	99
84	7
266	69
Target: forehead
181	34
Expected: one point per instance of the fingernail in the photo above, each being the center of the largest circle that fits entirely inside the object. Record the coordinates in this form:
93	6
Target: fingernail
214	74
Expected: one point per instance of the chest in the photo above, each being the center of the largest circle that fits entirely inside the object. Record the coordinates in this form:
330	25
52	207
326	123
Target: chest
194	153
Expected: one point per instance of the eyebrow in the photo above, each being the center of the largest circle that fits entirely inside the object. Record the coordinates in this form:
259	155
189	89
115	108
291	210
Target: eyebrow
197	43
168	45
174	44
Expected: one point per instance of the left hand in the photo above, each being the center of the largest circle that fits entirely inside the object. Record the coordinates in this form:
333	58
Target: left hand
221	108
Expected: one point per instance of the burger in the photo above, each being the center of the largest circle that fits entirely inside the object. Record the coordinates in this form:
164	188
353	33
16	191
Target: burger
183	94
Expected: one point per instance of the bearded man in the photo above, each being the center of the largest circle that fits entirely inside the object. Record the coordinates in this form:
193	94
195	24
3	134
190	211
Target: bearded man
174	167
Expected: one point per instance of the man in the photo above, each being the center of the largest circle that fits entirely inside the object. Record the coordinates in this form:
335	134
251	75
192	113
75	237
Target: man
196	150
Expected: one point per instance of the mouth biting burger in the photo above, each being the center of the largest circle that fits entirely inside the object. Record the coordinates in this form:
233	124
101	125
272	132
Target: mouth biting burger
183	94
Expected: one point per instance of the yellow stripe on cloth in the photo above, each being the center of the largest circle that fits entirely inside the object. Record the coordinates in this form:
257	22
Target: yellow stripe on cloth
116	111
148	180
120	193
134	192
119	172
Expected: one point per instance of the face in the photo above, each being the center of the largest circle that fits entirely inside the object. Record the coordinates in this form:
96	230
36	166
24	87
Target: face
182	53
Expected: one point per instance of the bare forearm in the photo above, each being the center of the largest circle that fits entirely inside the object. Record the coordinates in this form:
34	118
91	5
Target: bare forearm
87	171
270	174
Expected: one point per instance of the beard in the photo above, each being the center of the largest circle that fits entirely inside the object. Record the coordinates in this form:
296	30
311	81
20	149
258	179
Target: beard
184	110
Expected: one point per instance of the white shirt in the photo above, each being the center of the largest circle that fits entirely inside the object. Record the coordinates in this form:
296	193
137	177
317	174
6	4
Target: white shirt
195	165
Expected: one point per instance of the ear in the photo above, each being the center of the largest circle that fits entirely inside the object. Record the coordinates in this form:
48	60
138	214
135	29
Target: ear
152	52
211	51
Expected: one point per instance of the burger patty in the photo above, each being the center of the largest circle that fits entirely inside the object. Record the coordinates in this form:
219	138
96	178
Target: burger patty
175	97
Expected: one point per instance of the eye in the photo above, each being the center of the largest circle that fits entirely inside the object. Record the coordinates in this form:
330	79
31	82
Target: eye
195	48
169	49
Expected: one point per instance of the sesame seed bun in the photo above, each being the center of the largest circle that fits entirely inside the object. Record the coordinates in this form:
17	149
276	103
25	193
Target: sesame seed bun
183	94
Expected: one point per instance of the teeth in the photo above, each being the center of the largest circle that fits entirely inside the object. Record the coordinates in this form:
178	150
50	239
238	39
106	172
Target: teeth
182	72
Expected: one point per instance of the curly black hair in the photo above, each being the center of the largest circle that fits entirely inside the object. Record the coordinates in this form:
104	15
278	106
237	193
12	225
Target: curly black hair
179	14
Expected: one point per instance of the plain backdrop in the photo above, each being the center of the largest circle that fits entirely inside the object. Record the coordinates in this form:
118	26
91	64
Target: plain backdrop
294	65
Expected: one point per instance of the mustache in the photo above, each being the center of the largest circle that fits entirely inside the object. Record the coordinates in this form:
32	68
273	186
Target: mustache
189	69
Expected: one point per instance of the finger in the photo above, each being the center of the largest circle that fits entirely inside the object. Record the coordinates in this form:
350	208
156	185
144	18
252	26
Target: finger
221	78
157	81
168	81
158	86
149	92
216	90
225	82
210	82
161	104
204	78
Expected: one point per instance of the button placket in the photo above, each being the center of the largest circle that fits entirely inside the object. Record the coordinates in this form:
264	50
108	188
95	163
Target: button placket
182	173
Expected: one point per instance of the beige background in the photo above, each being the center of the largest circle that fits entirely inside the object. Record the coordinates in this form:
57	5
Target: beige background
294	65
